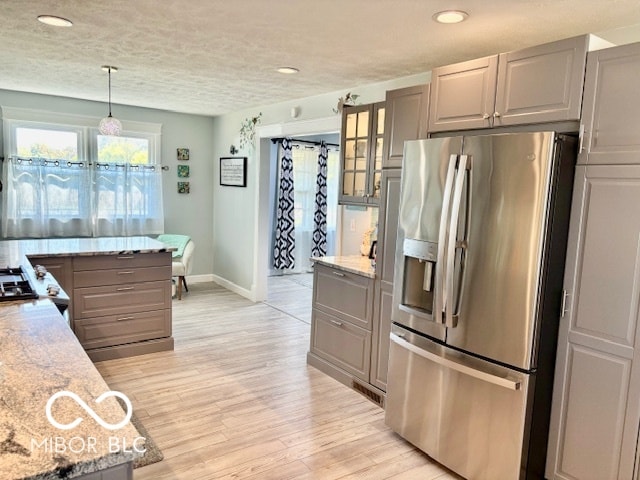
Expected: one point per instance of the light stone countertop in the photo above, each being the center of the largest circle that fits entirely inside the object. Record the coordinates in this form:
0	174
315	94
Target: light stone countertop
15	253
357	264
40	356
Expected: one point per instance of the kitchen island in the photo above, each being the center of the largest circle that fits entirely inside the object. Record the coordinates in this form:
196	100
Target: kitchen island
120	289
41	357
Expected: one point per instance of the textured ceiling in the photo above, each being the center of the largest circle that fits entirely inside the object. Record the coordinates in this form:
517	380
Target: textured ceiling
213	56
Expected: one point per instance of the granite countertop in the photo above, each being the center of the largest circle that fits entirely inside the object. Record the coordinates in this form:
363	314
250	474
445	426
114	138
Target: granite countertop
357	264
25	253
15	250
40	356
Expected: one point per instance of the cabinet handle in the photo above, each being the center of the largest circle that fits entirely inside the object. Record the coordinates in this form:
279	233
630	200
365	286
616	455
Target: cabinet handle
124	288
125	257
338	274
496	115
335	322
128	272
486	116
122	319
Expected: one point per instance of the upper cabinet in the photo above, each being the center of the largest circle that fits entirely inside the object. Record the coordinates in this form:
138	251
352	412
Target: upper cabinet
406	112
361	149
611	106
538	84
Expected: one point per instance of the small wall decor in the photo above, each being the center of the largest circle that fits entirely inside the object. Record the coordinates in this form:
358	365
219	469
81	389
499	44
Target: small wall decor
183	154
233	171
183	187
348	100
248	130
183	171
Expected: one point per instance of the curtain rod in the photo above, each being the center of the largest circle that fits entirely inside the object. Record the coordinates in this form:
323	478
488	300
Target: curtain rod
58	162
310	142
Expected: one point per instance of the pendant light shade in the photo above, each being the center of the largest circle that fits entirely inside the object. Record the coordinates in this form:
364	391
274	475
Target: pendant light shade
110	125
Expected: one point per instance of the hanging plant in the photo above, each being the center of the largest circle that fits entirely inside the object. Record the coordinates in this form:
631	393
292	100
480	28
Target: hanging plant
248	130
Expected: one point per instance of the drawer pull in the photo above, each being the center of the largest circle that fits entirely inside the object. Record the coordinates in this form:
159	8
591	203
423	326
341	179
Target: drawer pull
124	288
122	319
125	257
335	322
338	274
128	272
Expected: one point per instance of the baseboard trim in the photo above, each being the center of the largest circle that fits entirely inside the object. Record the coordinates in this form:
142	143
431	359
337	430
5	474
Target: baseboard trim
204	278
223	282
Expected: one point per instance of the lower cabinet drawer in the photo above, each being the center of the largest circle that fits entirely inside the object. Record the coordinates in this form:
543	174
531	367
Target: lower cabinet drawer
120	299
344	295
341	343
97	278
121	329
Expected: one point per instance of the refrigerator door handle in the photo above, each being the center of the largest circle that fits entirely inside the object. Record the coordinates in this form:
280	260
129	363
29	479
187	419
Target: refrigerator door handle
458	367
440	291
450	319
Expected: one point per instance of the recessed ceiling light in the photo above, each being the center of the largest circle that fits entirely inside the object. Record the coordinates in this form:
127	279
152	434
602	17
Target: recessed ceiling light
55	21
287	70
450	16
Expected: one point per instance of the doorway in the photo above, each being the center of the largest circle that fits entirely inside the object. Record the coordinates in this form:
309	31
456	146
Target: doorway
325	128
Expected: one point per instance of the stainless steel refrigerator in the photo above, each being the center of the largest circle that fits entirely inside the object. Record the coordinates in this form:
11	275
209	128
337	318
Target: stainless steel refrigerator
477	299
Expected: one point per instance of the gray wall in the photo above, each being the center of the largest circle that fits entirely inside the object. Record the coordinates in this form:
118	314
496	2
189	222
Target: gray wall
189	214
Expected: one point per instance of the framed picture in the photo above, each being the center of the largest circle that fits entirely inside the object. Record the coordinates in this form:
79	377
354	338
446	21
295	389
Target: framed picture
183	171
183	187
233	171
183	154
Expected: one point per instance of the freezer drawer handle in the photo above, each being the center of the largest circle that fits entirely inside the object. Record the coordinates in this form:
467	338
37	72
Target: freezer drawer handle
338	274
445	362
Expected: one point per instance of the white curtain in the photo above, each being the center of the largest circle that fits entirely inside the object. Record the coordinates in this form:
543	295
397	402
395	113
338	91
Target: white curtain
127	200
305	171
45	198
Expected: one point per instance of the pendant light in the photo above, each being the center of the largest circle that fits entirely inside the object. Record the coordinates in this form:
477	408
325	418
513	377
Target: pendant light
110	125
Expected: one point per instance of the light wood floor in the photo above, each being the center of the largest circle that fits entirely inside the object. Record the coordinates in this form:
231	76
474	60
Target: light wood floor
237	400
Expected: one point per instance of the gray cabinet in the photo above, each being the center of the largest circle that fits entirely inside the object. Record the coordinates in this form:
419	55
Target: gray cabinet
122	304
341	323
533	85
406	113
596	404
463	95
596	396
612	106
361	150
382	301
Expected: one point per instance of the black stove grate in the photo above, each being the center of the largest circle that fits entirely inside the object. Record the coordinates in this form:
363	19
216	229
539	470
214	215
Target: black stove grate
15	285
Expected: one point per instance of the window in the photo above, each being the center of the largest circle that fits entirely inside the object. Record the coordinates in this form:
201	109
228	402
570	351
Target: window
68	180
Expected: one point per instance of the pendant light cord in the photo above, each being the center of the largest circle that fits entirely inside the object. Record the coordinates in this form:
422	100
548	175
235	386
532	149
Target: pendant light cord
109	91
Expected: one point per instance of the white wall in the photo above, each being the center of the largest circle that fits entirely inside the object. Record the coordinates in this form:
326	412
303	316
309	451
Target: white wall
187	214
236	241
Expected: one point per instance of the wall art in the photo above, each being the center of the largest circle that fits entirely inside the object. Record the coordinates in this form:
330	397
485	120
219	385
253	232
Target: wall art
183	154
183	187
233	171
183	171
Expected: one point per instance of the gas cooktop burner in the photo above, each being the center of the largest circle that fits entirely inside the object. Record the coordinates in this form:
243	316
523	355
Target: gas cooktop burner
15	285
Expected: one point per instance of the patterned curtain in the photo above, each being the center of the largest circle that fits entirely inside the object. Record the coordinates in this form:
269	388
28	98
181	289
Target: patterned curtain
283	251
319	248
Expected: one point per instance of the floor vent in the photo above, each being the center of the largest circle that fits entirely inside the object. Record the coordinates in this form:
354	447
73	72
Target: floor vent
370	394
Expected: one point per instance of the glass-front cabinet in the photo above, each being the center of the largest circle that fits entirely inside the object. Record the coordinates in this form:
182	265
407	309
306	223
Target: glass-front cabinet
361	154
